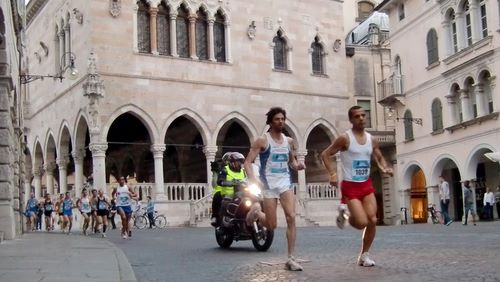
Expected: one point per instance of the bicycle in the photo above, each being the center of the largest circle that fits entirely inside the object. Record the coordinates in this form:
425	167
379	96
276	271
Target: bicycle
142	220
435	215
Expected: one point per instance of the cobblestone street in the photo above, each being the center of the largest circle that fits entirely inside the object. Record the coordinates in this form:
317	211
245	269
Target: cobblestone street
421	252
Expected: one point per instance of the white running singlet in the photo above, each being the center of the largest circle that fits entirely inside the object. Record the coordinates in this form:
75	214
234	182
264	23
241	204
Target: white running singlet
356	159
122	196
274	170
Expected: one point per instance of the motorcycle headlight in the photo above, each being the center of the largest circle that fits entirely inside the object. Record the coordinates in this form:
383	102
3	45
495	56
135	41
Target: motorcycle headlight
254	189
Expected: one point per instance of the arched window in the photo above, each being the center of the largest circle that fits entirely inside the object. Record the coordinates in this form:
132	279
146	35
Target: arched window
437	115
397	78
472	103
57	51
317	57
62	46
365	8
219	38
163	29
143	28
432	47
408	125
453	31
485	83
280	49
455	103
201	35
468	23
484	21
182	32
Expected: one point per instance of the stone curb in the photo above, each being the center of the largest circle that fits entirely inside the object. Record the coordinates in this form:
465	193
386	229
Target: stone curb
125	268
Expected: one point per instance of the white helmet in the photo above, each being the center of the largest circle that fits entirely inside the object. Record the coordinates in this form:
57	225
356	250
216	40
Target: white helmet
235	156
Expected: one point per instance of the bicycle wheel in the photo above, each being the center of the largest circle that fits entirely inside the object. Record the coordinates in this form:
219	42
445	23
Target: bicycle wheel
141	222
161	221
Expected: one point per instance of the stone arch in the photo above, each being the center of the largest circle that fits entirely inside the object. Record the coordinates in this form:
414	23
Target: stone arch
475	157
64	137
482	73
409	169
223	13
38	155
318	137
140	114
247	125
331	130
50	144
228	135
187	5
80	131
439	164
195	118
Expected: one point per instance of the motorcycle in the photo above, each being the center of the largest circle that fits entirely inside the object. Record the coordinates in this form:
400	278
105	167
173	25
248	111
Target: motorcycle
233	214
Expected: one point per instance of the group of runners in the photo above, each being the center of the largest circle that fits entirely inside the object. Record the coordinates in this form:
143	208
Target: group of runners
94	207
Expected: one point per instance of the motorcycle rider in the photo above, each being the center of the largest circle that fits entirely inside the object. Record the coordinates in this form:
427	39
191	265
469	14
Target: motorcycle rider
230	175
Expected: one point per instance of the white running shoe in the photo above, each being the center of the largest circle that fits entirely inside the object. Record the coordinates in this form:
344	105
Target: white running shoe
124	236
293	265
365	260
103	235
341	218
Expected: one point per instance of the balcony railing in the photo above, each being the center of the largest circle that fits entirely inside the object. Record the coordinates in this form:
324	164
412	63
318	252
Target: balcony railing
390	89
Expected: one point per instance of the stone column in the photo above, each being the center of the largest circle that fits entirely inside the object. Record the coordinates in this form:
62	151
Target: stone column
448	42
62	164
78	157
210	152
158	150
153	12
49	176
37	182
481	103
461	37
99	165
62	44
475	21
27	187
227	35
173	34
465	104
67	57
192	37
211	43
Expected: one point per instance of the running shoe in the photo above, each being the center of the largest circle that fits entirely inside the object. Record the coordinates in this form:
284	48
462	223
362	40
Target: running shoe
103	235
341	218
293	265
129	233
364	260
124	236
449	222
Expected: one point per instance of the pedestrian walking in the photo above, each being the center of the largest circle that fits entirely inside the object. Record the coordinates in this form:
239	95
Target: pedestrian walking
444	197
277	154
488	201
468	203
357	148
150	210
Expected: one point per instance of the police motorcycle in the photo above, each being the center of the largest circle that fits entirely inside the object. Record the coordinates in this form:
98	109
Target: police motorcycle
233	214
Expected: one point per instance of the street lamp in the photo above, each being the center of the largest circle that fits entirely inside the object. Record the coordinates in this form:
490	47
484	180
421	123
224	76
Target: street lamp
390	114
72	74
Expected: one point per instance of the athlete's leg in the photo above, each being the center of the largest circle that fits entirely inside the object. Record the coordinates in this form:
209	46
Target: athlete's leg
370	207
358	218
268	218
287	200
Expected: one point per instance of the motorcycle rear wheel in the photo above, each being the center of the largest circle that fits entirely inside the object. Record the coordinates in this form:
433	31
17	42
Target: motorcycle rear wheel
224	238
262	242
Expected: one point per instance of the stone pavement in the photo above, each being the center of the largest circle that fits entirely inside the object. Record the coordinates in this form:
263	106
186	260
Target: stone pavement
403	253
41	256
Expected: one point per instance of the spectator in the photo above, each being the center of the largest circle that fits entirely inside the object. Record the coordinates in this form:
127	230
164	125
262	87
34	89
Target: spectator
497	200
112	214
488	201
444	196
150	209
468	203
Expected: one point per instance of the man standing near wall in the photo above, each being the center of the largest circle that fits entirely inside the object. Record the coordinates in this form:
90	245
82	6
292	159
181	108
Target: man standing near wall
444	197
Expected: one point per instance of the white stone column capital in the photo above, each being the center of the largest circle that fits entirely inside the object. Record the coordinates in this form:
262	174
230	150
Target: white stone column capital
49	167
62	162
98	149
210	151
158	149
78	155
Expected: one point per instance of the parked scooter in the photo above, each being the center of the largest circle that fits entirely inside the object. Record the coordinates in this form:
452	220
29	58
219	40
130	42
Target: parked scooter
233	213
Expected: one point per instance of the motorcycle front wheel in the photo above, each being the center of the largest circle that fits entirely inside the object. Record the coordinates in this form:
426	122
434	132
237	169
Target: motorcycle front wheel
263	239
224	238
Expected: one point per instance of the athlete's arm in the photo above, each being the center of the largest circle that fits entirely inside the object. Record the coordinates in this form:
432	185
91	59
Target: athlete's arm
113	193
295	164
257	146
340	144
379	159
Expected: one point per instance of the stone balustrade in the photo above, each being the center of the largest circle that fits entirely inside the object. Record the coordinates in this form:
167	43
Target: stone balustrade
322	191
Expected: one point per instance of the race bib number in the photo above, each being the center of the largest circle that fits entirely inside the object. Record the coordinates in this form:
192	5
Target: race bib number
360	170
123	199
279	163
103	205
48	207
